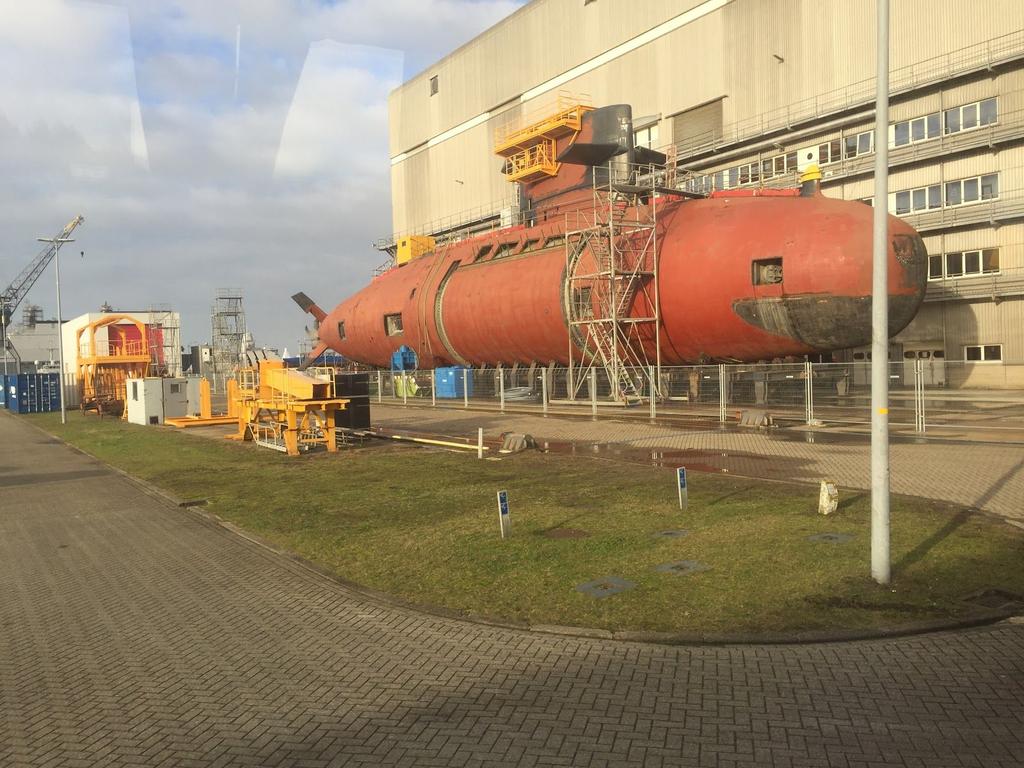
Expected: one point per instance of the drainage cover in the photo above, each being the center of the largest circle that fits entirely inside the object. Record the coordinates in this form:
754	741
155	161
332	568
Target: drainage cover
832	538
609	585
669	534
567	533
681	567
996	600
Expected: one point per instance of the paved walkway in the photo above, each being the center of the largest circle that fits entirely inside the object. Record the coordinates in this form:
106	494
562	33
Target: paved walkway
135	633
987	476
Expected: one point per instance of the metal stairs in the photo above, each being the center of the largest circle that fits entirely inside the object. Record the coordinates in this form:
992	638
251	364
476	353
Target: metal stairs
610	259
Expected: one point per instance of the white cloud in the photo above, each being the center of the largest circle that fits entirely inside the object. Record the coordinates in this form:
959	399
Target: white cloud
126	113
337	119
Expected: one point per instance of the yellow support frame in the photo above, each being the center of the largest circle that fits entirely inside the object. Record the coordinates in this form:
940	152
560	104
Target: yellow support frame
271	403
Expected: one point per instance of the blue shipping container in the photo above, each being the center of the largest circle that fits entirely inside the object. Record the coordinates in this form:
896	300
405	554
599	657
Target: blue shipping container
448	382
32	392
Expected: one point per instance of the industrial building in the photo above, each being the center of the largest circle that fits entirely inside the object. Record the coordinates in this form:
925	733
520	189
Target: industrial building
742	93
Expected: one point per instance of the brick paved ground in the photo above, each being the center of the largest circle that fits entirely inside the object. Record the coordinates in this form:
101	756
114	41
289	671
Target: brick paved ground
135	633
988	476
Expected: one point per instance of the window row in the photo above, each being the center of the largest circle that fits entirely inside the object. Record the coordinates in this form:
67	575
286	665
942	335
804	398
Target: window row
952	193
972	353
858	144
955	120
748	173
983	352
944	266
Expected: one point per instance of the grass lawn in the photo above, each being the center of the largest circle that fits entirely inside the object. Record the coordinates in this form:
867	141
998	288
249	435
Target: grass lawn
421	524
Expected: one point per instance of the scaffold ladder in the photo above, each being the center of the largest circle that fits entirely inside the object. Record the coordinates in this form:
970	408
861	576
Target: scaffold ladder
611	258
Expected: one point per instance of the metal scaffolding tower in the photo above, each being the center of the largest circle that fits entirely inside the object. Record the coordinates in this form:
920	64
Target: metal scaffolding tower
229	339
165	340
611	290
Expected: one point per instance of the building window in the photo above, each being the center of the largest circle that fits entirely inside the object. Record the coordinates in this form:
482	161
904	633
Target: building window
393	324
646	137
972	190
983	261
918	129
959	192
973	115
983	353
955	120
750	173
341	330
858	144
920	199
433	85
699	185
830	152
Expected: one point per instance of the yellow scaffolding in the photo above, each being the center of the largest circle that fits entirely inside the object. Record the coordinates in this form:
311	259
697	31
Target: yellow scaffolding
530	150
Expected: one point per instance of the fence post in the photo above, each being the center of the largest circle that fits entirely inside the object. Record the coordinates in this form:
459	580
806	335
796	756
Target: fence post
465	389
480	442
919	417
501	389
405	387
544	388
654	407
593	392
723	396
433	388
808	392
380	387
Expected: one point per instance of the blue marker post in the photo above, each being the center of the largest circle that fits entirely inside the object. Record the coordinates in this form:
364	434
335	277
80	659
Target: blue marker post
681	478
504	519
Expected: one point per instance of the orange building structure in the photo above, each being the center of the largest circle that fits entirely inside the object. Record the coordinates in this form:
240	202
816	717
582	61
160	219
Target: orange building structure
104	365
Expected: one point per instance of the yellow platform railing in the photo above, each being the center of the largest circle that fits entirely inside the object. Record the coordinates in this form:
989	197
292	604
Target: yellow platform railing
552	121
533	162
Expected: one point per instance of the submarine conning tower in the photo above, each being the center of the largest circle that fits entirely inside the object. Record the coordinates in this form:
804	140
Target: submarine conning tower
618	262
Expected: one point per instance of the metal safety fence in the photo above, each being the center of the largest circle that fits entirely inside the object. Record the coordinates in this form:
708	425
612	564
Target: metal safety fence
925	393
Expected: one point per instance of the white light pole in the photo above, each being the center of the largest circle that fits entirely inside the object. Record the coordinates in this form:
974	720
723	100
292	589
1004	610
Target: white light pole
3	320
880	559
57	242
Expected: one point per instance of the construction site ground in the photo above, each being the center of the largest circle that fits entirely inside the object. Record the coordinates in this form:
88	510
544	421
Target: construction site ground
978	474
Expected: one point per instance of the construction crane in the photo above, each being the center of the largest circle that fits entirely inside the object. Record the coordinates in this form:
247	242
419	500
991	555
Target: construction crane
15	293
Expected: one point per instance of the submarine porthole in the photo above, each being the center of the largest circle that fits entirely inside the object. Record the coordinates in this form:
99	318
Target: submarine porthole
767	271
393	324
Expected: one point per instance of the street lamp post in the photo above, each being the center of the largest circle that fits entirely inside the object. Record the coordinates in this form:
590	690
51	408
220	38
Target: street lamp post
57	242
880	555
3	319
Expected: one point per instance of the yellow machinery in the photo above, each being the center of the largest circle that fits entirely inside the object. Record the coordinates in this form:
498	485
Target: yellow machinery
411	247
286	409
105	366
530	151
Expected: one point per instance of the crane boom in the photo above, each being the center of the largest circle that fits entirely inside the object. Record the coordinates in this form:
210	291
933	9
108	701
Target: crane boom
14	293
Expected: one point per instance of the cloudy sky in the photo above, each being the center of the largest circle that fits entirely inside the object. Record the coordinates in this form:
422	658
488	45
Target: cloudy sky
195	175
